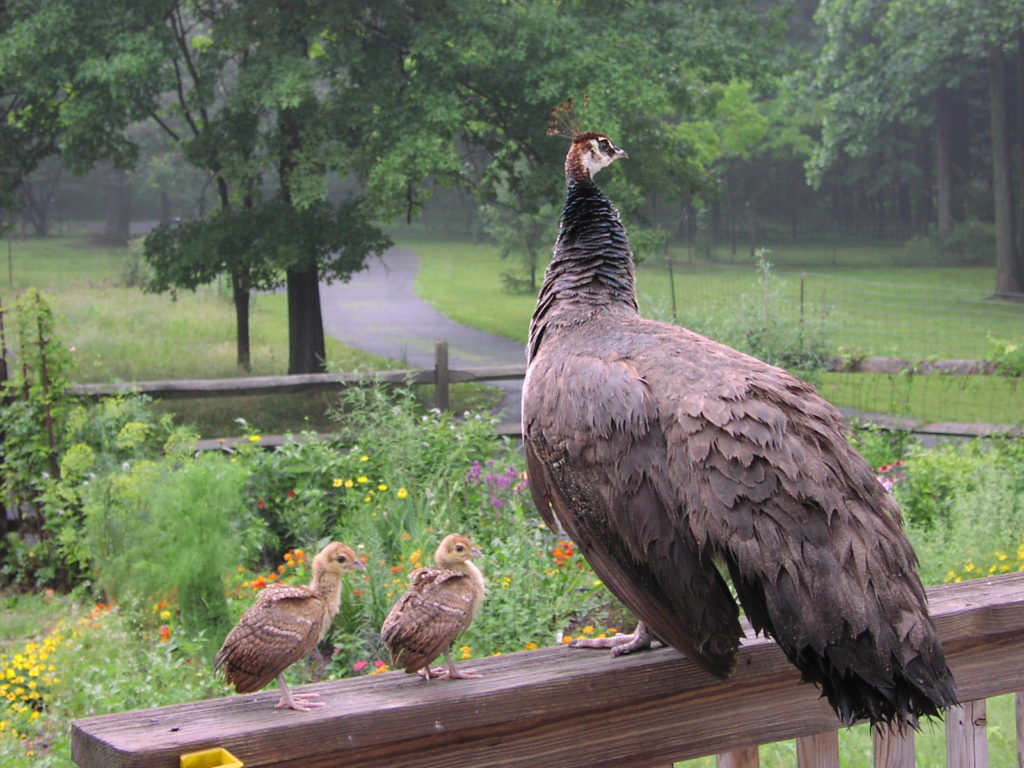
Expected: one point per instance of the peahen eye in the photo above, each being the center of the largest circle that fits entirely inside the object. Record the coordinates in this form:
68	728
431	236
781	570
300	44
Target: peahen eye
604	145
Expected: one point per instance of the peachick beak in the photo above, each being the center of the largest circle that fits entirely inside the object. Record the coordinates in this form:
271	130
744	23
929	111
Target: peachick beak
475	553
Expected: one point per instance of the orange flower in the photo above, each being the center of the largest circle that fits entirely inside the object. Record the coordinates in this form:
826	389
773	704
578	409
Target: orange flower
165	633
259	583
396	568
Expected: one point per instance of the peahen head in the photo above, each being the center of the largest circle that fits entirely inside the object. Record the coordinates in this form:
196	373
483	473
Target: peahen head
589	153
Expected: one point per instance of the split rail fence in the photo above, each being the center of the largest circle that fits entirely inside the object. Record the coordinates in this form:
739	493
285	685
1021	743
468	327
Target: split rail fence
584	709
442	376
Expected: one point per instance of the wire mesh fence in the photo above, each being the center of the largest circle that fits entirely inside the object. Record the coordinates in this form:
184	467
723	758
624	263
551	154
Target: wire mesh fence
859	311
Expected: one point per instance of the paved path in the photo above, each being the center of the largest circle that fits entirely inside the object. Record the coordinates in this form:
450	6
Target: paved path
378	312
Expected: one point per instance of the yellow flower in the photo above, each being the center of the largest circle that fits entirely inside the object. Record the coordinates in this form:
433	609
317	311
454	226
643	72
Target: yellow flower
337	482
598	582
402	493
382	487
566	639
165	614
465	652
530	646
588	630
362	479
364	458
349	483
254	438
367	498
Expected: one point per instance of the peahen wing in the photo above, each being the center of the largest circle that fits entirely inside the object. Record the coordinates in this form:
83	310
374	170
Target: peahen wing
435	609
597	457
282	627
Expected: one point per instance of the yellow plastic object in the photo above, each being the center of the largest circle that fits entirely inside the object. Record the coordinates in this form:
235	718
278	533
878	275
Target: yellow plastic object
218	757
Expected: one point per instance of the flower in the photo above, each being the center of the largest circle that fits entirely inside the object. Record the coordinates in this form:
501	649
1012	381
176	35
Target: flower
291	494
254	438
337	482
165	633
402	493
349	483
359	666
465	652
364	458
165	614
530	646
588	630
382	486
362	479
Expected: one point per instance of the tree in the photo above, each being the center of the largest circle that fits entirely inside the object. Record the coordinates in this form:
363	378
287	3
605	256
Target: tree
899	61
72	75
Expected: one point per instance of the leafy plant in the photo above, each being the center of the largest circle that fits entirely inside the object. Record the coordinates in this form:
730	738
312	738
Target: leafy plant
763	325
1007	356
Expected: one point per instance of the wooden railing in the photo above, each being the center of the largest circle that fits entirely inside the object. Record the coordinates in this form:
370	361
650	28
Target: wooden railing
441	376
567	707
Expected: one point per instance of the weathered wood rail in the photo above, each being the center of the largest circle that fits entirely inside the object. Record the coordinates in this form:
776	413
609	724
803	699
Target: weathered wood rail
568	707
441	376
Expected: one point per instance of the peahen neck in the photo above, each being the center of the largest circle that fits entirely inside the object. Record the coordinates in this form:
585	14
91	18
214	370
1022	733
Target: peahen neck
591	269
327	586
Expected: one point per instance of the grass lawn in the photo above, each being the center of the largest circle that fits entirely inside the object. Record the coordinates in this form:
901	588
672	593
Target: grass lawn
118	333
872	308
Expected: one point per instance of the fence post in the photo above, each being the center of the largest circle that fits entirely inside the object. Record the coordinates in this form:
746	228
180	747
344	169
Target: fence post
820	750
891	748
748	757
441	376
967	735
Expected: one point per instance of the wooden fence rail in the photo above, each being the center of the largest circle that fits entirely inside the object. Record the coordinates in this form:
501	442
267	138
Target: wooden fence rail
441	376
560	706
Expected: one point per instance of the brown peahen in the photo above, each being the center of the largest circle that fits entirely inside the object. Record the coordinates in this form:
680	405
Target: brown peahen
673	460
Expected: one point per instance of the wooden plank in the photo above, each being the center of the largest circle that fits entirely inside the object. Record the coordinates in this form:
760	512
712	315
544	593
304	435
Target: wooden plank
441	376
270	385
819	750
552	706
894	366
967	735
892	749
748	757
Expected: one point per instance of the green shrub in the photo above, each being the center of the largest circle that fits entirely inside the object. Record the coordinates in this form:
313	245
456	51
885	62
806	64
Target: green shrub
170	529
765	325
971	243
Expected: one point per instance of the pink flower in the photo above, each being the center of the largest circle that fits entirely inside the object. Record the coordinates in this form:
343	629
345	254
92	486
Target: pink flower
885	468
378	664
359	666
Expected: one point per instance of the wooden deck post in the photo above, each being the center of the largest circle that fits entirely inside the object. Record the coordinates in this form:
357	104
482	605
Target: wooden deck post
967	736
820	750
748	757
893	749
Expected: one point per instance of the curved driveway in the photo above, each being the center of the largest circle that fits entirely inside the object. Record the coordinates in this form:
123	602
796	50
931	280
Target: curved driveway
378	312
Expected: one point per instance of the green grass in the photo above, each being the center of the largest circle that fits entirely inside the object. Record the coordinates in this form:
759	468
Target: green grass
872	309
117	333
25	614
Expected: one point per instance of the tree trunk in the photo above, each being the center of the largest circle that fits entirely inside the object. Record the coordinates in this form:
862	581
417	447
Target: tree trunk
165	207
943	162
241	299
306	352
1009	271
118	207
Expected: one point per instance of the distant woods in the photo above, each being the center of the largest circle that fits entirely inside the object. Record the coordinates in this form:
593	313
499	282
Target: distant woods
273	144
